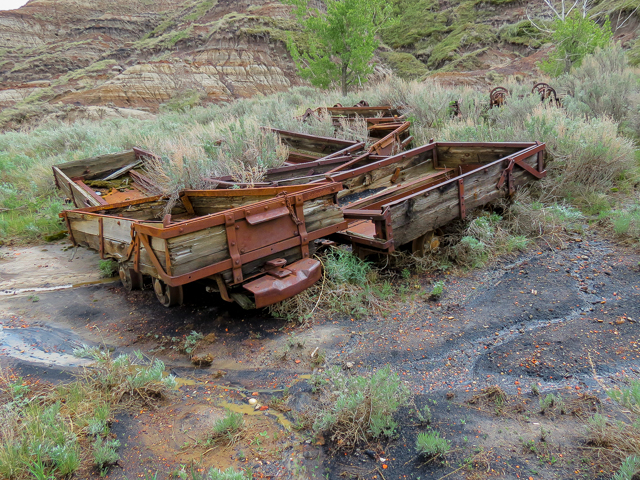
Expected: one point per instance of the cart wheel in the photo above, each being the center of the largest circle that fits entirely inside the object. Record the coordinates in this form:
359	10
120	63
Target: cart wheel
166	295
131	279
424	244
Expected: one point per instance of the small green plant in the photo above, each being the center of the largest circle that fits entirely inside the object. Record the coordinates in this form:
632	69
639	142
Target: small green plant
535	390
437	290
33	298
108	268
191	342
406	273
228	428
431	444
424	415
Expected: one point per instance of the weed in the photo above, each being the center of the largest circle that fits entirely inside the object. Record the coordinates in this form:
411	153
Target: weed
125	375
191	342
33	298
356	409
108	268
228	428
535	390
431	444
629	468
350	286
551	403
437	290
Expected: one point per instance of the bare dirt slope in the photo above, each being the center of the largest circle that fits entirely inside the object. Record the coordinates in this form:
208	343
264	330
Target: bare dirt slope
562	320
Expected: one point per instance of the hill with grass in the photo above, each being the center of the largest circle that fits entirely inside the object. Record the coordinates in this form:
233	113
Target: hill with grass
71	59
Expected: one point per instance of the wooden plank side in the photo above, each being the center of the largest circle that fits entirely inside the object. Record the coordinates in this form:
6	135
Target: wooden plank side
93	167
452	156
438	206
209	205
205	247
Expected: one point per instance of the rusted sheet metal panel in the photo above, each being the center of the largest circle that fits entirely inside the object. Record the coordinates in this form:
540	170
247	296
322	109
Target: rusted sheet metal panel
271	289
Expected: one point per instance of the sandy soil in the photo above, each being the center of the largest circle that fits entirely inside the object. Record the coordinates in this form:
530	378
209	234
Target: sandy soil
564	320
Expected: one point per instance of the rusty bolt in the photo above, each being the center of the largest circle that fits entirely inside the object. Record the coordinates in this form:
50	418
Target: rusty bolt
237	262
266	208
237	227
233	244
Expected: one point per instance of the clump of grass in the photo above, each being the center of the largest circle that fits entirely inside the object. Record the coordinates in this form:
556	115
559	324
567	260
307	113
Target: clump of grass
424	414
357	409
42	427
552	403
228	428
619	438
432	445
126	375
108	268
350	286
217	474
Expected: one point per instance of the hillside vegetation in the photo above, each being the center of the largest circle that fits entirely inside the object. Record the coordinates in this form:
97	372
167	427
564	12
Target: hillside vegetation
139	55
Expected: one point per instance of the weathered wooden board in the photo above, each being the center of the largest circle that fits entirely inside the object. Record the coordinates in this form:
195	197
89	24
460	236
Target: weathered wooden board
312	143
452	156
95	167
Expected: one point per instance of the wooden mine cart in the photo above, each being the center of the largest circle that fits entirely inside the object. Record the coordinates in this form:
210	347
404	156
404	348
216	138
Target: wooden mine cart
436	184
251	245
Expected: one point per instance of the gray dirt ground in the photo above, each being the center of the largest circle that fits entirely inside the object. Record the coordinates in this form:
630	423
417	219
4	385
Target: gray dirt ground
564	319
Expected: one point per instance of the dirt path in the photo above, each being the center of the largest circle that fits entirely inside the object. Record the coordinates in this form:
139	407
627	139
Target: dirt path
564	320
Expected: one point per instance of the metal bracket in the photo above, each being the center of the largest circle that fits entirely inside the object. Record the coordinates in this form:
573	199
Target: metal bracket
232	242
302	229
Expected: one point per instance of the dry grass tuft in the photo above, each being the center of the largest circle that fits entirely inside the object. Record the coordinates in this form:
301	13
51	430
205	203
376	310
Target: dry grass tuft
490	395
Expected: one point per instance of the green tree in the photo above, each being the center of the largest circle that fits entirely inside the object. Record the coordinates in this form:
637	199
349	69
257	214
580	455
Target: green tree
342	40
574	37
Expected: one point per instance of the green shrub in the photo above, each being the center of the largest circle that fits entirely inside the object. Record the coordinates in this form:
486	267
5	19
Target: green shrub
603	85
105	452
431	444
628	397
574	38
356	408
